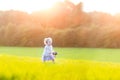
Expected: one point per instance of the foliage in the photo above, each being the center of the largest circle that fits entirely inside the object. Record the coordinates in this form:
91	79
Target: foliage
66	23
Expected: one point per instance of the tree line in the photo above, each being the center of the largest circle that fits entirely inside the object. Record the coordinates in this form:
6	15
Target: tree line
66	23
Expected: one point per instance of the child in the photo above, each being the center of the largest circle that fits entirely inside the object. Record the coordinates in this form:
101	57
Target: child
48	50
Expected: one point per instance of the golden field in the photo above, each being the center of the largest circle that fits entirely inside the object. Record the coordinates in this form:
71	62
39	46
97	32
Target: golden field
28	68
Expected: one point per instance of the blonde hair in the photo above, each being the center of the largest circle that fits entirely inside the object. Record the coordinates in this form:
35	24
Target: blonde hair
47	39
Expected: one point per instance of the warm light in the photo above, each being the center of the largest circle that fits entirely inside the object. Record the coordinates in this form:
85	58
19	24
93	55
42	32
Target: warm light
75	1
27	5
109	6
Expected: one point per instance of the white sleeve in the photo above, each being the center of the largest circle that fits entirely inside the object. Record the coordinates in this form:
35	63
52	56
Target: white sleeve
47	50
52	50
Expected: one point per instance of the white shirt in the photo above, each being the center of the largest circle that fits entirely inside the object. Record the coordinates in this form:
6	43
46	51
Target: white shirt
47	50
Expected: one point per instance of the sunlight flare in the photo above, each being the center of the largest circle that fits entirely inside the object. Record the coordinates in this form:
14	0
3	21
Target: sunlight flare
109	6
28	5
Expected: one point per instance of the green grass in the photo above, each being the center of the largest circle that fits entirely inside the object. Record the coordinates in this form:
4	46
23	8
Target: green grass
97	54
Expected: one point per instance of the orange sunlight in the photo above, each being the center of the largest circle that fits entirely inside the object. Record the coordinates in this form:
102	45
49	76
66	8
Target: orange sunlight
41	5
27	5
75	1
109	6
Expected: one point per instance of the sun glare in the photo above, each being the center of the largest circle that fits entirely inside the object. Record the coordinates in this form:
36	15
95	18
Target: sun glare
36	5
75	1
27	5
109	6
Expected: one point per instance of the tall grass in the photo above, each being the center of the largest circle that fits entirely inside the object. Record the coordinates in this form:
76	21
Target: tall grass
28	68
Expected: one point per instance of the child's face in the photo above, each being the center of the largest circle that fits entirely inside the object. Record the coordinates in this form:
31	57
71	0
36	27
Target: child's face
49	43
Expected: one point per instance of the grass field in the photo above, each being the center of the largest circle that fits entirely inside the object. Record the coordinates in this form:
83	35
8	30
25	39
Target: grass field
18	63
96	54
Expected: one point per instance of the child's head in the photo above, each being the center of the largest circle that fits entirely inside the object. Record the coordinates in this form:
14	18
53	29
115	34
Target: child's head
48	41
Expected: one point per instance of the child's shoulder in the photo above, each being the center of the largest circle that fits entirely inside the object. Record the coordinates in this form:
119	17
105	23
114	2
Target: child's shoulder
46	46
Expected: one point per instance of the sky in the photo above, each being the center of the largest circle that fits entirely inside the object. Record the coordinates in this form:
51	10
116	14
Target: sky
108	6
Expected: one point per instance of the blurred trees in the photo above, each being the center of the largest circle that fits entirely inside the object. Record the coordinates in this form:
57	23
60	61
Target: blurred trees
66	23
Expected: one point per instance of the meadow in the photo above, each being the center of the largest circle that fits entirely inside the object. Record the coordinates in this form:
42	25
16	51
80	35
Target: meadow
23	63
